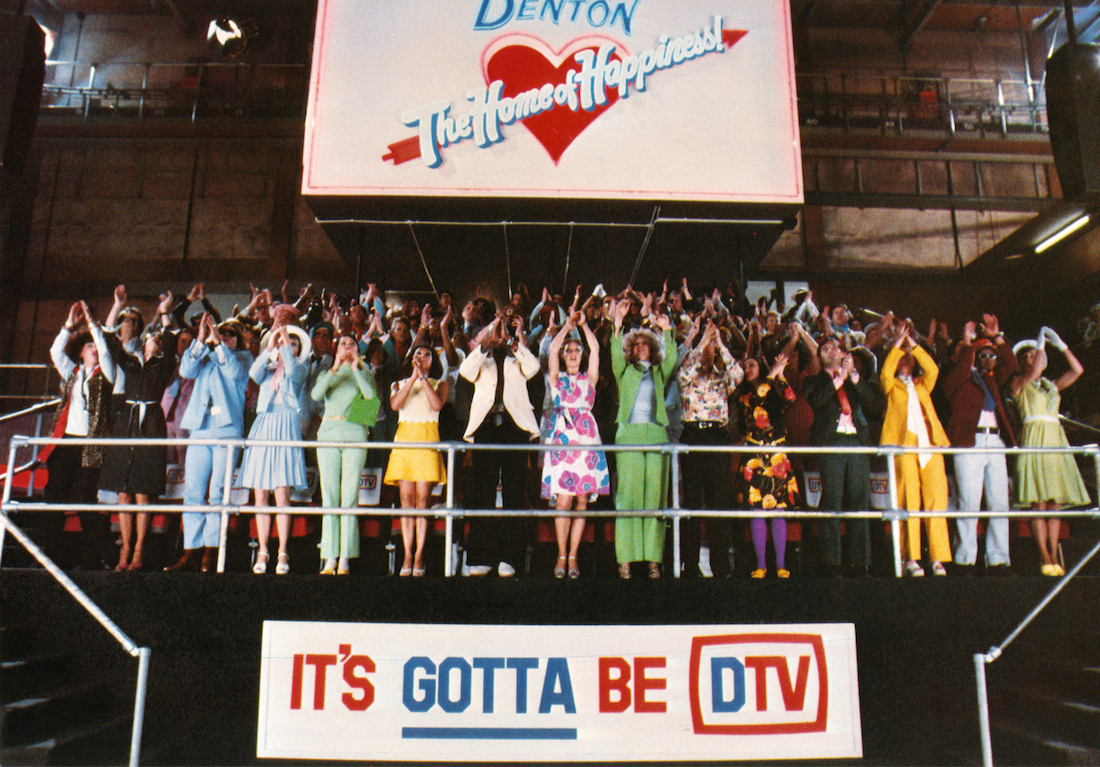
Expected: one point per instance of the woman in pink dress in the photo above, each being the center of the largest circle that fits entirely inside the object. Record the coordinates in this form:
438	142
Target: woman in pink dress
572	478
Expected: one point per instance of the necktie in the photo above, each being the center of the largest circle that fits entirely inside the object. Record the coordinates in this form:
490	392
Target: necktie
845	404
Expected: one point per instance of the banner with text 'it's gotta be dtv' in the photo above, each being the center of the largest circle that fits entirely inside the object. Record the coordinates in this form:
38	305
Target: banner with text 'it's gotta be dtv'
409	692
602	99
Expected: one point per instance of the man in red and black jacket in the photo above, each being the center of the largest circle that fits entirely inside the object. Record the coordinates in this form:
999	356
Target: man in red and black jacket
984	363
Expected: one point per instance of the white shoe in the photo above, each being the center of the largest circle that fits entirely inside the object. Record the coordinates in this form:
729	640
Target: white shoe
913	569
478	570
505	570
938	568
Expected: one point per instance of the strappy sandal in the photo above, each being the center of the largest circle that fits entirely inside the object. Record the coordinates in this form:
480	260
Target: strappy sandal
136	563
261	563
574	569
654	570
624	571
283	566
559	569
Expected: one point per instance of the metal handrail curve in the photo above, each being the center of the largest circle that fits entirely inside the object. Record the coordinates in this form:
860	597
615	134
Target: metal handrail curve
141	653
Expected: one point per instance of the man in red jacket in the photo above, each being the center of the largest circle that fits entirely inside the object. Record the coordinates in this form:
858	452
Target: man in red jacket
983	364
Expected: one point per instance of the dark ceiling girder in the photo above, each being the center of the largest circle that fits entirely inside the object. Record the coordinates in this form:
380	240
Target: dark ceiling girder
912	17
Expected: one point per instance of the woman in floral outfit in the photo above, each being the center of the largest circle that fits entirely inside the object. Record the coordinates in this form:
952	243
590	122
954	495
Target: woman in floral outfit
766	480
573	476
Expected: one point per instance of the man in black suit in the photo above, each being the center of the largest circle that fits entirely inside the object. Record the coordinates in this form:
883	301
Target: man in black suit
839	398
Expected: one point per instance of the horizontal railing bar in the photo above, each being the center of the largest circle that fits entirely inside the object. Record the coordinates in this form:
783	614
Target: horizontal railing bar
29	410
443	512
662	447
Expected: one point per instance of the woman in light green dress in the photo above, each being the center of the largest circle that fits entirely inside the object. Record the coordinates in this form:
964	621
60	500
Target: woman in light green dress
1045	481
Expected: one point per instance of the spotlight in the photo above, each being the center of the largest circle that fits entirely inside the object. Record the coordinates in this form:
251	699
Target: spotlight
231	36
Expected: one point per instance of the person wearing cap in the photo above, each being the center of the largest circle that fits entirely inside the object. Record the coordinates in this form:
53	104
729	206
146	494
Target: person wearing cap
84	362
219	368
642	364
984	363
1045	481
138	472
281	373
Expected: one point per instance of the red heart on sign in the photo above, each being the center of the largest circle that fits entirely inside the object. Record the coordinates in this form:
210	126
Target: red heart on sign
524	63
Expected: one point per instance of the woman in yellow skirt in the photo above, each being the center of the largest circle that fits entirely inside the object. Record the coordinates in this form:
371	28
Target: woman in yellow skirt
417	399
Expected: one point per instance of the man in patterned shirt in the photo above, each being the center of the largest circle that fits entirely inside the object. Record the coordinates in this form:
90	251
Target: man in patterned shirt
707	379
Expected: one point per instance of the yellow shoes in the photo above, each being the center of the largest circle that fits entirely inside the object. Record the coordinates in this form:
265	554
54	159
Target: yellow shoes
758	573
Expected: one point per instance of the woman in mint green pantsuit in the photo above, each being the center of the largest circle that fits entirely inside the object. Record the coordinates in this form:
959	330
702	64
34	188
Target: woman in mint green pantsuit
340	467
641	367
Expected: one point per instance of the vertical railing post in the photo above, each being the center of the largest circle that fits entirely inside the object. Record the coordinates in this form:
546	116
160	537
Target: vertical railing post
676	563
449	524
895	522
7	492
139	705
227	489
983	709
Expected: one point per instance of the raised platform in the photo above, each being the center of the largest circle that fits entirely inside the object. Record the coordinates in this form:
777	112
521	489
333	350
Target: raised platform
915	639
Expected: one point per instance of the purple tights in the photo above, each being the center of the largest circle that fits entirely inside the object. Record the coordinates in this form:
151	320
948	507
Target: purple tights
779	541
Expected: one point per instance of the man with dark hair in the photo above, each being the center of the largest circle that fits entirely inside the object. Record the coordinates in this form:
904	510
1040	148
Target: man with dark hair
840	398
81	357
983	365
708	376
500	413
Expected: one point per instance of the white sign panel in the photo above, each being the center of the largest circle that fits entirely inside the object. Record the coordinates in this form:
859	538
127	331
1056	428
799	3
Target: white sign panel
621	99
408	692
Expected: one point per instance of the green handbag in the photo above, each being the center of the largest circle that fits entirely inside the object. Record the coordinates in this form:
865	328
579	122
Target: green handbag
364	411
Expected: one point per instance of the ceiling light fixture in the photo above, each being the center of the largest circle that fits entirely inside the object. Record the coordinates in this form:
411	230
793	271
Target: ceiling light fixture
1062	233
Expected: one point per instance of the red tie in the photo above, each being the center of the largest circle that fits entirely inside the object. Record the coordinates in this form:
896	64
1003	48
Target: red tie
845	405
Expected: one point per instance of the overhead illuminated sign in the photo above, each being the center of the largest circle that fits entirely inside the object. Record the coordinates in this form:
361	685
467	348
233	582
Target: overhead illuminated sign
401	692
621	99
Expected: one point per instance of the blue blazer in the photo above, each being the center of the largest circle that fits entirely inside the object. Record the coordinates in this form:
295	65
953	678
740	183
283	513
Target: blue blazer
221	377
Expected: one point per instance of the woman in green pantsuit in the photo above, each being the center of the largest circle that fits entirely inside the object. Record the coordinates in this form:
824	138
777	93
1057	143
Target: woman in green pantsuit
642	367
340	467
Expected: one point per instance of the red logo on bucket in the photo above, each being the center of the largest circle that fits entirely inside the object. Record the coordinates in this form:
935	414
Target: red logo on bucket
797	660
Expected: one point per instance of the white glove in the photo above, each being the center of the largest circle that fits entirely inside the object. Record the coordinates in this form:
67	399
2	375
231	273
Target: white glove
1055	339
599	291
1041	340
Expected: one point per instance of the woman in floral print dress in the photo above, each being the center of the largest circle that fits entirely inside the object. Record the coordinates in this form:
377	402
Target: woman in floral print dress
766	480
572	478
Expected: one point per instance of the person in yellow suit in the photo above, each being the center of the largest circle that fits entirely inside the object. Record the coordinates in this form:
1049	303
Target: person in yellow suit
908	376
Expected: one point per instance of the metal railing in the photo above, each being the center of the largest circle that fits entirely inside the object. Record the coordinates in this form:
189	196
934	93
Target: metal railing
49	382
449	512
893	514
941	103
141	653
190	90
